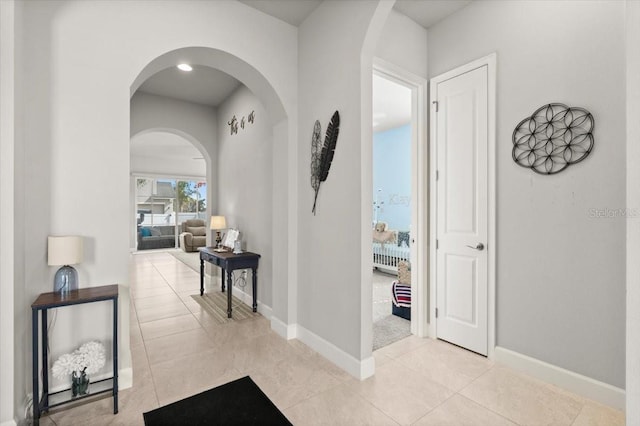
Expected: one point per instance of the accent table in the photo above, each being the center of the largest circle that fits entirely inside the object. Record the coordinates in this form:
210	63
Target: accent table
228	261
51	300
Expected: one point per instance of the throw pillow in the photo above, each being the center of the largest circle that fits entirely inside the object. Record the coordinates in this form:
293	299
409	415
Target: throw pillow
404	272
145	232
156	232
197	231
403	237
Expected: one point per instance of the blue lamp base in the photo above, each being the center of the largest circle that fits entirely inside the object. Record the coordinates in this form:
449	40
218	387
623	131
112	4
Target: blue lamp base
66	279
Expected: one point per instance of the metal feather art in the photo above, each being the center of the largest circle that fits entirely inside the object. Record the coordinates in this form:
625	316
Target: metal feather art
321	158
315	156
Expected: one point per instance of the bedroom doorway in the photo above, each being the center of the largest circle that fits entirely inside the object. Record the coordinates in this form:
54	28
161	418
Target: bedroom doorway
398	206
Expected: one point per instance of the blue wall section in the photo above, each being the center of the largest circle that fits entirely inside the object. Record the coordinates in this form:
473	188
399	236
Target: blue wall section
392	174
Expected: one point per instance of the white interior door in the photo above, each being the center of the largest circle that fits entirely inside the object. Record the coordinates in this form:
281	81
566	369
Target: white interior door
462	209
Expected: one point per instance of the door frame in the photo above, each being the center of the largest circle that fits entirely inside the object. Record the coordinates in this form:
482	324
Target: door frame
490	61
419	199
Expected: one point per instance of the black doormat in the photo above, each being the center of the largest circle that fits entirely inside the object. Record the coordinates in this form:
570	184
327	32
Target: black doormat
240	402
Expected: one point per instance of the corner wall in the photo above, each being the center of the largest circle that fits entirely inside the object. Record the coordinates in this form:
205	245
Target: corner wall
560	268
244	180
331	308
633	202
8	384
403	43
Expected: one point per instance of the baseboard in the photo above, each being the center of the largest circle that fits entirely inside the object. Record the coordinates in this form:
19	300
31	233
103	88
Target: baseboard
247	299
125	378
285	331
574	382
359	369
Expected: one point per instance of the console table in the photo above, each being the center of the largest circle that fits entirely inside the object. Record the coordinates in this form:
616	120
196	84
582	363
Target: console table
228	261
42	304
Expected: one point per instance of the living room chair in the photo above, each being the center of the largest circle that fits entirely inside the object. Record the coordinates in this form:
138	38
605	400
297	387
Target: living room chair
193	235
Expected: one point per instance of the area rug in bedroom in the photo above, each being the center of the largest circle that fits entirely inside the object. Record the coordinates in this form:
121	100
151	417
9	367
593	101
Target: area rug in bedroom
240	402
390	329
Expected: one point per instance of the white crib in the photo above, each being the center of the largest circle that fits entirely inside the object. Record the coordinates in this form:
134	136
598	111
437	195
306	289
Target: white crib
387	255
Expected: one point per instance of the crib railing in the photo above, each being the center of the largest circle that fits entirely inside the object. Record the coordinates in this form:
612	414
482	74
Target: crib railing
386	256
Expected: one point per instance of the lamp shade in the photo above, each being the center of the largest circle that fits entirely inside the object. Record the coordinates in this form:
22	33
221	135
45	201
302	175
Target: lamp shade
64	250
218	222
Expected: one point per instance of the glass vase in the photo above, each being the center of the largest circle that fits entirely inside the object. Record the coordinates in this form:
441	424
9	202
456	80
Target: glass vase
79	384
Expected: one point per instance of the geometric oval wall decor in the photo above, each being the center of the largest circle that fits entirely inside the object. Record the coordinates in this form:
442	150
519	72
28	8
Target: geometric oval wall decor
553	138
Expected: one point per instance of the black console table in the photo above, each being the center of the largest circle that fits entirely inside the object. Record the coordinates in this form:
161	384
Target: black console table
48	301
228	261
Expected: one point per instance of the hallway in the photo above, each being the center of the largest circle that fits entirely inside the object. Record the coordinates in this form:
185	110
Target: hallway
178	350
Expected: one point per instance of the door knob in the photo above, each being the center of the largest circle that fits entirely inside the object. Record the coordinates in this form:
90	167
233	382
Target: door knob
479	247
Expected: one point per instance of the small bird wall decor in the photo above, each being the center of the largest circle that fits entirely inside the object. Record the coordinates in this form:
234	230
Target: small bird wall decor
322	156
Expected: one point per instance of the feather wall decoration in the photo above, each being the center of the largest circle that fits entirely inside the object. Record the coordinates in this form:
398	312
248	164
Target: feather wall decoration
321	162
315	156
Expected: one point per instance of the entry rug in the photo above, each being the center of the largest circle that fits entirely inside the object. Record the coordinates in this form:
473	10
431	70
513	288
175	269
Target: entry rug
240	402
215	304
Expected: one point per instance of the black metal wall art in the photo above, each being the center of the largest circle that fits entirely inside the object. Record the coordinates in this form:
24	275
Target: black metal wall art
553	138
321	157
233	124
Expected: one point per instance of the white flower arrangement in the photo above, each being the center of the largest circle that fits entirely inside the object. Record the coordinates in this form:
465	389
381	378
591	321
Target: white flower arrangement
88	358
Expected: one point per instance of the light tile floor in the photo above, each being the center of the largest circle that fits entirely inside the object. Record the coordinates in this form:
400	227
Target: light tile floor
178	350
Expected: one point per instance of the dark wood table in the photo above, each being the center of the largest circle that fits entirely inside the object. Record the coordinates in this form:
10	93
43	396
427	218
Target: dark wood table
48	301
227	261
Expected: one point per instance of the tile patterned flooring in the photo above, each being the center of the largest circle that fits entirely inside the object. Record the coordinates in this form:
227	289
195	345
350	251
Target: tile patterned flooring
178	350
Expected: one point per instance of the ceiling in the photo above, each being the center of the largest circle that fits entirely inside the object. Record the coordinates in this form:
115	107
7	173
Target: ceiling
424	12
291	11
208	86
203	85
391	104
429	12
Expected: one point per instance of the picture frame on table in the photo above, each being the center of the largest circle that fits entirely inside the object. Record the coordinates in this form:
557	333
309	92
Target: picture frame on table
230	238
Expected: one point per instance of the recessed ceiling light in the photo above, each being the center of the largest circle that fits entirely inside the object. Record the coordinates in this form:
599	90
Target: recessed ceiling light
185	67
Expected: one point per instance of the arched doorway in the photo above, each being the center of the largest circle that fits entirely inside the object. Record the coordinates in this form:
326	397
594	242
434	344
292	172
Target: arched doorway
278	285
170	183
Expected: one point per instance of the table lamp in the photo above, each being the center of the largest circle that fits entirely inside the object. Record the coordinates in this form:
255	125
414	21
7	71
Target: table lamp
65	251
218	223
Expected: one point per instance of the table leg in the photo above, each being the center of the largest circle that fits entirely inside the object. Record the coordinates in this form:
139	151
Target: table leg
34	369
229	287
201	276
45	359
254	283
115	356
222	278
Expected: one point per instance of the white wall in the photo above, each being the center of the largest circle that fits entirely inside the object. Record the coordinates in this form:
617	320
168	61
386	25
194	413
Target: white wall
560	272
77	78
194	122
633	224
330	277
244	179
7	182
403	43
